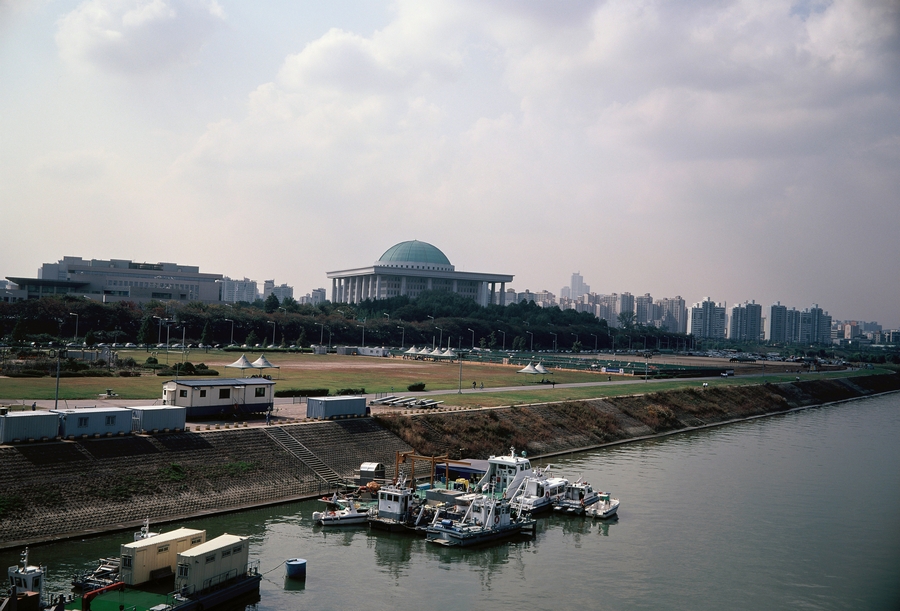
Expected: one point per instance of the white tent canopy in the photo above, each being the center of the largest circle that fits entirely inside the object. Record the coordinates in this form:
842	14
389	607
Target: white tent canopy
529	369
540	369
242	364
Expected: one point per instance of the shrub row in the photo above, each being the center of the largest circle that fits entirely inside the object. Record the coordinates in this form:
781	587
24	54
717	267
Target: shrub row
302	392
351	391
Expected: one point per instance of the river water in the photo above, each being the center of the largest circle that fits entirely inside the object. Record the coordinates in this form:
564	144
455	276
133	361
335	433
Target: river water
797	511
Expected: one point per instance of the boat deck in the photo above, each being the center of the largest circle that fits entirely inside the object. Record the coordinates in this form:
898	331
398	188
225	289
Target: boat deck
139	600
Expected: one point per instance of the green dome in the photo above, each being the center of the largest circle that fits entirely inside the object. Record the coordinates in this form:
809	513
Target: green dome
414	251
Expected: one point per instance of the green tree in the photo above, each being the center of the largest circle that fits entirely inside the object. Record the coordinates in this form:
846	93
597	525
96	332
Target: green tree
301	339
145	333
90	339
626	320
204	335
492	340
576	347
271	304
18	332
252	339
518	343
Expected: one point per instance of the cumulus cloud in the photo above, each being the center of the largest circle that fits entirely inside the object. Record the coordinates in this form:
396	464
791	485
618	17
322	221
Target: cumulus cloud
137	36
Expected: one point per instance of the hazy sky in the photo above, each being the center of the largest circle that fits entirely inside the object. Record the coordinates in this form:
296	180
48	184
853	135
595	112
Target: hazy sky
737	150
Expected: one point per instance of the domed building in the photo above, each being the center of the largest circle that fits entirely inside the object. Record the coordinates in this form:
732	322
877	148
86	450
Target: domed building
408	268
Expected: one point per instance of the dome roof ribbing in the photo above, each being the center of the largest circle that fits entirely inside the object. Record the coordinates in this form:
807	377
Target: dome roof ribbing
414	251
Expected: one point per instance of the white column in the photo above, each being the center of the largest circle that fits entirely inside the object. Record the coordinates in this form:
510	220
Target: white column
378	287
503	293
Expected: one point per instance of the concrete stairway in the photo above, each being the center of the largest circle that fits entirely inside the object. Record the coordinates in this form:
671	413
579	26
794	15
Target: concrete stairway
303	454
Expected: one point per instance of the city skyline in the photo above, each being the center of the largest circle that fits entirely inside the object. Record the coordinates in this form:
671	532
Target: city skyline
732	150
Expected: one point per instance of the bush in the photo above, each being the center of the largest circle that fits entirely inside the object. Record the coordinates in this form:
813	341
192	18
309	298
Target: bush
415	387
351	391
302	392
151	360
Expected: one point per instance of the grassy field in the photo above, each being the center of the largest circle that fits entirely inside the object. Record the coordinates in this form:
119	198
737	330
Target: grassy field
375	375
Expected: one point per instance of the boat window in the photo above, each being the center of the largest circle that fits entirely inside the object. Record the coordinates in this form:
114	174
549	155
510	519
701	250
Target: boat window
226	553
196	540
211	558
237	549
184	570
162	549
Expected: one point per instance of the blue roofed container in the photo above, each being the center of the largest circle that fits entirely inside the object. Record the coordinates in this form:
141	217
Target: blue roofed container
25	426
326	408
94	422
158	418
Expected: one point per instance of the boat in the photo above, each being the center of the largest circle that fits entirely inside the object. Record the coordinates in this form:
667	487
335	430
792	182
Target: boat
603	509
578	497
107	572
505	473
399	509
341	511
538	493
487	519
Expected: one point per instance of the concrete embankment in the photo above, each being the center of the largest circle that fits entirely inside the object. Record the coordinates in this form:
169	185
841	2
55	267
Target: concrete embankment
62	489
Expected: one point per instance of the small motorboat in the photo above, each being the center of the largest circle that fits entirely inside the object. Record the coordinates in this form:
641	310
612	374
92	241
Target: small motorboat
603	509
341	512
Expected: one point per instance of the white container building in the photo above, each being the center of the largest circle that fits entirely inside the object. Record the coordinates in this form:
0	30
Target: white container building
155	557
25	426
158	418
217	397
212	563
325	408
94	422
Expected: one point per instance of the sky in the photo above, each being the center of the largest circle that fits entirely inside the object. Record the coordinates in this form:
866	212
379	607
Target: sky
737	150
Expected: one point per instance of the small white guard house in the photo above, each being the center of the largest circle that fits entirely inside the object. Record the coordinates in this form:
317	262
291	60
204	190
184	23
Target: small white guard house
218	397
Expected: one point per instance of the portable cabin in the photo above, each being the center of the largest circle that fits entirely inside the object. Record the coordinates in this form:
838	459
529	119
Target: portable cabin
94	422
155	557
26	426
211	397
370	472
158	418
211	564
326	408
372	351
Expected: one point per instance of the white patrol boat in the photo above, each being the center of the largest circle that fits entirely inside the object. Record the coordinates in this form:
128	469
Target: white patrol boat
578	497
538	493
505	474
486	519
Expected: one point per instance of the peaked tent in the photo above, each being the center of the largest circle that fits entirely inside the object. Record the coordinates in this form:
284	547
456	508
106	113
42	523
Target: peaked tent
540	369
529	369
242	364
263	363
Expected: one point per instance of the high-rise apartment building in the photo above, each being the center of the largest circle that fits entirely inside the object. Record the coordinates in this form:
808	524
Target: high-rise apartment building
708	319
672	314
778	324
746	322
643	309
280	292
233	291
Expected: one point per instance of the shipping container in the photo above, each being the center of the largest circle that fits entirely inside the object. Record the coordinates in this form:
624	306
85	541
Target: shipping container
155	557
158	418
325	408
22	426
212	563
220	397
94	421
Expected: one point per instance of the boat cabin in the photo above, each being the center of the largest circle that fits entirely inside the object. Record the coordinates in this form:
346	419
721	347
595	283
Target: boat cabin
505	473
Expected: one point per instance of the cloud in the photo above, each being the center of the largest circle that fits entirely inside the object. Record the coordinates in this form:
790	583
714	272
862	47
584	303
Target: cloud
137	36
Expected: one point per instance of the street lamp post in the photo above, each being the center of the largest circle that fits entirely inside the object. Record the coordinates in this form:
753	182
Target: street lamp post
402	336
75	339
364	332
504	338
473	338
272	322
441	340
232	331
321	332
595	342
532	340
576	337
554	340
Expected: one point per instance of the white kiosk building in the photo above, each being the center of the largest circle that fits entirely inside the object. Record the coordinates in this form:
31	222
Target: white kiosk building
408	268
